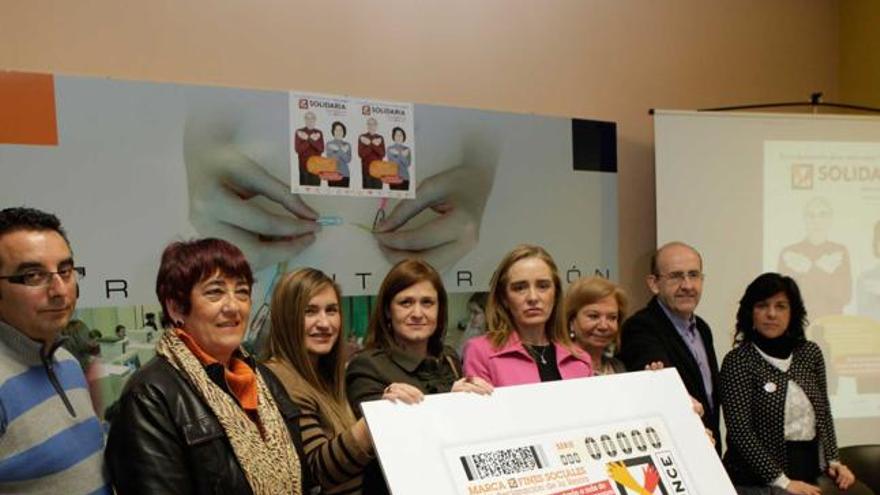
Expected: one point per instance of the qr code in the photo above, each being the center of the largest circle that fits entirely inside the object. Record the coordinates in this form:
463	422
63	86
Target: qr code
503	462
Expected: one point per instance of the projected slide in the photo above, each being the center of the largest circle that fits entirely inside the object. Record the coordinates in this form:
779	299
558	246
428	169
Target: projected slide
793	193
822	227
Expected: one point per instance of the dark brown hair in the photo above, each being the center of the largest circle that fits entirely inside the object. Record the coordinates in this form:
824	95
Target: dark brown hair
380	334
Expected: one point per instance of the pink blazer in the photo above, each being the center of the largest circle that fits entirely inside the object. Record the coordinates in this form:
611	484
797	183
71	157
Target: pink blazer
512	365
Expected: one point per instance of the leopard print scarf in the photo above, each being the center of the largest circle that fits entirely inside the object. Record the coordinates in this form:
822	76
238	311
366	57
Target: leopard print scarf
265	452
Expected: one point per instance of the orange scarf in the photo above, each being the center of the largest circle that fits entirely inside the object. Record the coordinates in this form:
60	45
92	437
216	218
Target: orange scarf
239	376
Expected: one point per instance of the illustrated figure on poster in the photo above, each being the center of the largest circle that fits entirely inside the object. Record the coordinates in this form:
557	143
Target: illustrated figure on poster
401	155
821	267
868	286
371	148
308	142
339	151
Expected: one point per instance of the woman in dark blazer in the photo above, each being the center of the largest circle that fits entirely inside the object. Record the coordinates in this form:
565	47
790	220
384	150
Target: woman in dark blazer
404	356
780	434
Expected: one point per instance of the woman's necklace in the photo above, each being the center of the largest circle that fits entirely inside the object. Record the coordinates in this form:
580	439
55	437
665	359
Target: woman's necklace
533	351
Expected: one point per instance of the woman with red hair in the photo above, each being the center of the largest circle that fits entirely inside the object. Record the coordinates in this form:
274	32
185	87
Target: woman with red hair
202	416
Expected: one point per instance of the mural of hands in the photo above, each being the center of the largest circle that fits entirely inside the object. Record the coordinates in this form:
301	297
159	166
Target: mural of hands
235	195
224	186
458	196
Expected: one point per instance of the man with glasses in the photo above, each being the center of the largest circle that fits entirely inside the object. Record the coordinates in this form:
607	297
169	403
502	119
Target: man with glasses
667	330
50	439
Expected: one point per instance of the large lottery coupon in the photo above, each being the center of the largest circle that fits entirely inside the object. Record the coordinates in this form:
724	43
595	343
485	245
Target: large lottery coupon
629	457
627	434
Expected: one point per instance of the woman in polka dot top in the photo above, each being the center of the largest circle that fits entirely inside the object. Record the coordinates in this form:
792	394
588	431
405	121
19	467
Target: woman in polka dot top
780	434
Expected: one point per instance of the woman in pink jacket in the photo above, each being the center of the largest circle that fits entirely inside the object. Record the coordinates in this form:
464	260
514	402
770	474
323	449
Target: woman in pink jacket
526	341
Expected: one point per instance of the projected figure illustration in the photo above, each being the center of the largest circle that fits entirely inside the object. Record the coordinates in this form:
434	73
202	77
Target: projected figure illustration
868	285
820	266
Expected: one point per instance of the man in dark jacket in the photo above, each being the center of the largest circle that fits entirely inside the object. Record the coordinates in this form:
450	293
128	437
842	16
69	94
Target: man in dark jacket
667	329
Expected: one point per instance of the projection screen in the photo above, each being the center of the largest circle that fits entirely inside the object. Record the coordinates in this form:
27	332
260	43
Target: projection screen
793	193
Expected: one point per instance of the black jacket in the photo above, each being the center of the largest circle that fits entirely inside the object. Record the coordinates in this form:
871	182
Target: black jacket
165	439
650	336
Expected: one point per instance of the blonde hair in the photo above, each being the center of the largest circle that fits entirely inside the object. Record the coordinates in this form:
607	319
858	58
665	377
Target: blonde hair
499	320
590	290
326	382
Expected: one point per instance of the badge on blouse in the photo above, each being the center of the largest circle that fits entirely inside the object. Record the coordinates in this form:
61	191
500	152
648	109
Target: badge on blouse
770	387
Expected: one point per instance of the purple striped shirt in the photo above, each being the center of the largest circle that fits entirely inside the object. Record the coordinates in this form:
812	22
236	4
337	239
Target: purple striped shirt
687	329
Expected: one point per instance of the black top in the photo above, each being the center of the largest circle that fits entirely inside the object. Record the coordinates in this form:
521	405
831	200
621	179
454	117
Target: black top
545	358
371	370
166	439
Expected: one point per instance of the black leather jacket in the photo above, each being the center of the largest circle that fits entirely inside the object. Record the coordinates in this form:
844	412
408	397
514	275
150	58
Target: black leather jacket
165	439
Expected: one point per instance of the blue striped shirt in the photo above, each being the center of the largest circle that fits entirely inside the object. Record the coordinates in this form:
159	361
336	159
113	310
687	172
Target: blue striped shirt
50	439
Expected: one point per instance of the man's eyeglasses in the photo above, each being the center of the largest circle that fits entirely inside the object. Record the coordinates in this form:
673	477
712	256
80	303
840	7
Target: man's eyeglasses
680	277
42	278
